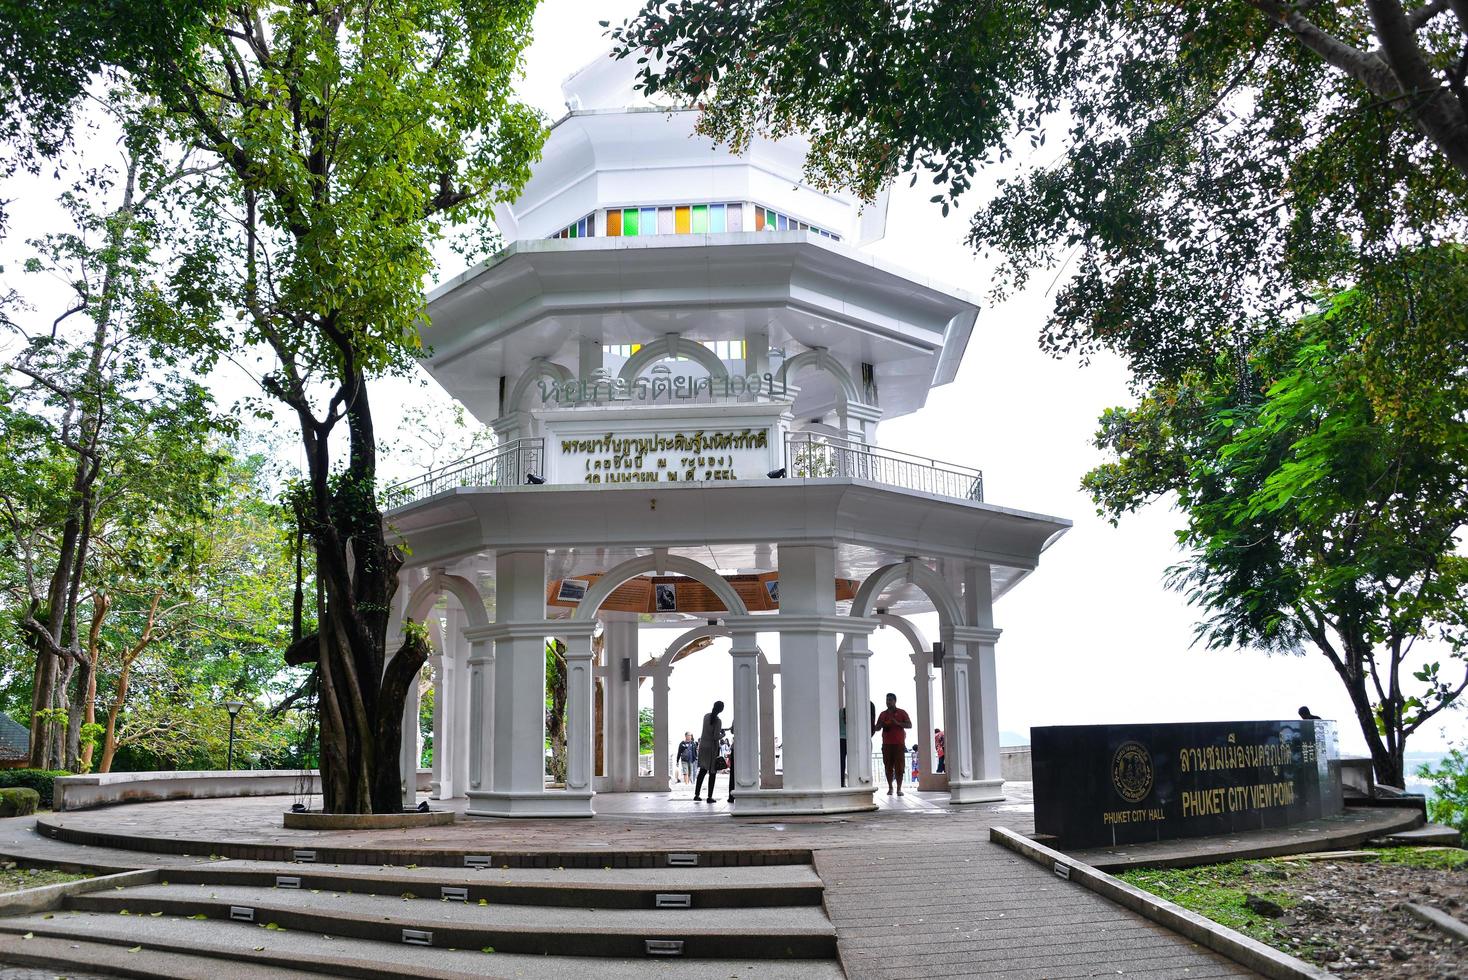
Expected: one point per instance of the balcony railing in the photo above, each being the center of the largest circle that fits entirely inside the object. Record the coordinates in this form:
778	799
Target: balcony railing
808	454
506	465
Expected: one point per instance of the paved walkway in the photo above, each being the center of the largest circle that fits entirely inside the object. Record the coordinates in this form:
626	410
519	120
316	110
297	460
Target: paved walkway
914	889
979	910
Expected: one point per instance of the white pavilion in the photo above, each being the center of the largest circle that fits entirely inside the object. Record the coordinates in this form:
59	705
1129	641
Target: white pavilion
686	356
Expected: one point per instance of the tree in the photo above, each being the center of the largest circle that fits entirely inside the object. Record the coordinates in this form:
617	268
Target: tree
51	53
218	583
1314	519
92	430
1218	162
350	137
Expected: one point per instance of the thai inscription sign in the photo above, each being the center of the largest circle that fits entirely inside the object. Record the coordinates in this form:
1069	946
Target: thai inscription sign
664	457
659	383
1124	784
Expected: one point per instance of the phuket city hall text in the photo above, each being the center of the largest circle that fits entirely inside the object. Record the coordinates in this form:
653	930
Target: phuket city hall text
685	355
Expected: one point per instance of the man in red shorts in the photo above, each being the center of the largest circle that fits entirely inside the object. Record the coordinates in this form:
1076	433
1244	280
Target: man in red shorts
893	724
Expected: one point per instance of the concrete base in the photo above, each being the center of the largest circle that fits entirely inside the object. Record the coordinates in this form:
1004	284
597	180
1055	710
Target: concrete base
310	820
961	791
782	802
112	788
558	804
933	782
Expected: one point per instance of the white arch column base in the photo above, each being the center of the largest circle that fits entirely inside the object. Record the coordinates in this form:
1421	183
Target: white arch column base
810	713
967	780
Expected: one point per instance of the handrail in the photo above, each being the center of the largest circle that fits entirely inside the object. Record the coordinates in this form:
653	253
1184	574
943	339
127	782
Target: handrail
508	464
808	454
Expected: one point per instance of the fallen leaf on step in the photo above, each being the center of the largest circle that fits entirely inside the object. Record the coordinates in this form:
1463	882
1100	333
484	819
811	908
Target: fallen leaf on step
29	935
136	949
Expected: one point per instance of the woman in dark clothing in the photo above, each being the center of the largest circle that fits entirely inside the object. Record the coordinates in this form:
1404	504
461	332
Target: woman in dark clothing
708	750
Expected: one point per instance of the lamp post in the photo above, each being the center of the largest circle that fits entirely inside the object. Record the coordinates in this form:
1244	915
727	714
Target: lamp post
233	707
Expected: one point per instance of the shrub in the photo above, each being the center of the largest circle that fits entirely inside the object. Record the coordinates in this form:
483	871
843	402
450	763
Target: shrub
1449	803
43	781
18	801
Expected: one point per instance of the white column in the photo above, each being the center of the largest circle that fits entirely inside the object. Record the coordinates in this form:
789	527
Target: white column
983	696
744	655
457	689
855	664
441	785
621	703
410	751
957	718
769	778
580	736
516	722
660	709
922	678
479	690
980	638
809	628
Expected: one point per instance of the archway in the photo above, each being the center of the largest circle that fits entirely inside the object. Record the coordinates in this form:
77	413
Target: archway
671	346
619	681
954	667
659	670
449	662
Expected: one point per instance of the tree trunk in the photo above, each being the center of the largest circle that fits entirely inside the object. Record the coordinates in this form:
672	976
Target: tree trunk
360	695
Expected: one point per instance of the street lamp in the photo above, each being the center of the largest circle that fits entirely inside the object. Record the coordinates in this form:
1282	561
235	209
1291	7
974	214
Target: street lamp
233	707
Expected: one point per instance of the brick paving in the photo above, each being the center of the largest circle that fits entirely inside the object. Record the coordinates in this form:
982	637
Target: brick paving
979	910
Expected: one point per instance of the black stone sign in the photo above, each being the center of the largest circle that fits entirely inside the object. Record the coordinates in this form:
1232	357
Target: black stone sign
1124	784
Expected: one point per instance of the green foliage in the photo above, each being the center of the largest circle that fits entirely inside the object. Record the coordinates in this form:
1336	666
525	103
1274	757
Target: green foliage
18	801
1314	516
645	730
1208	166
1448	803
41	781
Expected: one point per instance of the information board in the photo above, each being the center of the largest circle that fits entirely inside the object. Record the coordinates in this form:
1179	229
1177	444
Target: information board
1124	784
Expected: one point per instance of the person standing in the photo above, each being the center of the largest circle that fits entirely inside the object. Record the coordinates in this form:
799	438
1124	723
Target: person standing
893	724
708	750
687	757
938	744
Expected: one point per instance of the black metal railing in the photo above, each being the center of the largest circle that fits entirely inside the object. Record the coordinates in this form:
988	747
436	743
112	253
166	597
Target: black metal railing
505	465
808	454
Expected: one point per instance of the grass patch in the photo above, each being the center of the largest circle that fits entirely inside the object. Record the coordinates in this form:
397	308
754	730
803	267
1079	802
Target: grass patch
15	879
1218	891
1447	859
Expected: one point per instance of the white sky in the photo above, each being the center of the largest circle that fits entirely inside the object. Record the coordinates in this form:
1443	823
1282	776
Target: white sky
1092	636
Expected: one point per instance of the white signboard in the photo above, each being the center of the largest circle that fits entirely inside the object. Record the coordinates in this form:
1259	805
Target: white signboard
697	449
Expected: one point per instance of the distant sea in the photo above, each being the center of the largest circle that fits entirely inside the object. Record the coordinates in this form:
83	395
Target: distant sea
1414	761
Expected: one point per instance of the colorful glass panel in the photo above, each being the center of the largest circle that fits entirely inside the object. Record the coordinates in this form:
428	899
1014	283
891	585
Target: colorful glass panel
665	221
614	224
700	219
683	222
629	222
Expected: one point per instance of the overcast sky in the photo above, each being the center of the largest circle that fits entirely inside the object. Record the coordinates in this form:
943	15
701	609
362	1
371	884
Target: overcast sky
1092	636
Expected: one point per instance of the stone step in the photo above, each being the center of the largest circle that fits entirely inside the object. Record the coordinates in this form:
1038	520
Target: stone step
766	932
55	827
79	954
627	888
91	940
1433	833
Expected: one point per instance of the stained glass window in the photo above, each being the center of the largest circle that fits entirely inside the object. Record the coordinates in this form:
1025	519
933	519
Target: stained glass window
585	228
689	219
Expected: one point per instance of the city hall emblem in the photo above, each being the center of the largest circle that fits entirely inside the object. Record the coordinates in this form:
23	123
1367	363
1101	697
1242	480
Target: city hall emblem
1131	772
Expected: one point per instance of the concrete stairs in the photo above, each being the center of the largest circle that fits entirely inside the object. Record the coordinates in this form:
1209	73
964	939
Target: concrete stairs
384	921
